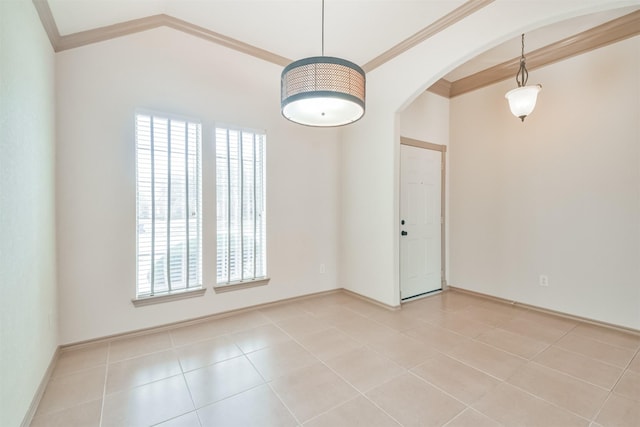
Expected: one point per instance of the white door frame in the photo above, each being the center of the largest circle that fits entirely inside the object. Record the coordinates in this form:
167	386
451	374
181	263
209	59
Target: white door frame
442	149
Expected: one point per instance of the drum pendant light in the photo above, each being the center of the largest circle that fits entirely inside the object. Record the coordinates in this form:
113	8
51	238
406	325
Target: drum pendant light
322	90
522	100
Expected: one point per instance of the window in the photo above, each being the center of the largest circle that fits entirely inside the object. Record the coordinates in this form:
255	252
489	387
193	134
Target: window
240	190
168	205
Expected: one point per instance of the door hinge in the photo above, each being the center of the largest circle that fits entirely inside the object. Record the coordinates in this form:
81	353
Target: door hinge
441	220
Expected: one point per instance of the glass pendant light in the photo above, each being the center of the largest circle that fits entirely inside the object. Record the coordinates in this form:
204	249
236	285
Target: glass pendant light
522	100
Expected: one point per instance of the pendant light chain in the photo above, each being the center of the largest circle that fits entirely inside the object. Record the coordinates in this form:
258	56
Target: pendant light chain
522	100
523	75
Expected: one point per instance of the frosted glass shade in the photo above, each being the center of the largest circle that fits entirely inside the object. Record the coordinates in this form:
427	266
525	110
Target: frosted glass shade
522	100
323	91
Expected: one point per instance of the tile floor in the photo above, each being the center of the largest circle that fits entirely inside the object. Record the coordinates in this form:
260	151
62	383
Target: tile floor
447	360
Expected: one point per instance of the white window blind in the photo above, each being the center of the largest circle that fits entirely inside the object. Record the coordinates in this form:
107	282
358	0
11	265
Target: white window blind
240	192
168	205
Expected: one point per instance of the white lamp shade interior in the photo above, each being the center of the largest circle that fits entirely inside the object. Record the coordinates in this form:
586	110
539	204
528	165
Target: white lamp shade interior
522	100
323	111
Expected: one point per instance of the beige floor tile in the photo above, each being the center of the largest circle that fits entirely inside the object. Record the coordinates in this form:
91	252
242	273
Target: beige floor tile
413	402
312	390
364	369
148	404
280	359
562	390
423	311
242	321
486	315
634	366
83	415
547	320
406	351
472	418
320	309
364	308
282	312
187	420
141	370
71	390
619	411
629	386
126	348
260	337
221	380
606	353
579	366
199	332
82	358
459	380
366	330
437	338
357	412
397	320
488	359
303	325
203	353
342	316
608	335
456	322
513	343
451	301
328	343
256	407
533	330
513	407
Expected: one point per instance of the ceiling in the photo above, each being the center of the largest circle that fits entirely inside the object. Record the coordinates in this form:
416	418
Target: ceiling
358	30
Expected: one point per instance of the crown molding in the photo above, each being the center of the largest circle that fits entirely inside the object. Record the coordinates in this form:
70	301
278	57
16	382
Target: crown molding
83	38
611	32
441	87
441	24
608	33
48	23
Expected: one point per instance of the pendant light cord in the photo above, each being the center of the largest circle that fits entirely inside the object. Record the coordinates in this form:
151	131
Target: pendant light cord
323	28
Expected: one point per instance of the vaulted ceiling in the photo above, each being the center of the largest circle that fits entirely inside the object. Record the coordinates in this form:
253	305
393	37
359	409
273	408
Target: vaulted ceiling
368	32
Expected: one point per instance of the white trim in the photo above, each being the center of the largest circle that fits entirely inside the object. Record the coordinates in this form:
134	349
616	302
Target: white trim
37	397
244	284
176	295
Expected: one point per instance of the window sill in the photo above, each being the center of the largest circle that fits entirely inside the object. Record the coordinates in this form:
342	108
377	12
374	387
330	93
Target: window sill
190	293
236	286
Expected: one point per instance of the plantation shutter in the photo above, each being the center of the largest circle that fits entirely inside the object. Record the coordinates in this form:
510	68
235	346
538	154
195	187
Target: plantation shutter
240	193
168	204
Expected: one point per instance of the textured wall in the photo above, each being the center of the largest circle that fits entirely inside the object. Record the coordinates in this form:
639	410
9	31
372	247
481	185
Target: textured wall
28	308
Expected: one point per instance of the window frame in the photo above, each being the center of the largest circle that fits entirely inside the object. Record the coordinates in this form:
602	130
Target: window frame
259	137
191	289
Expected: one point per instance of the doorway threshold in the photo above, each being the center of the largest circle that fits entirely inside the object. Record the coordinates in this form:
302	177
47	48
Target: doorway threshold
423	295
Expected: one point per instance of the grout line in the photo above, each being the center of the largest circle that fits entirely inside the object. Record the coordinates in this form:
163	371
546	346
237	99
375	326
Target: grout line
326	319
549	402
104	388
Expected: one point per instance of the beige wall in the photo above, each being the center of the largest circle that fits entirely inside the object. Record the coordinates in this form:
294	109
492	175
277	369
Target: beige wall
100	87
28	308
557	195
370	163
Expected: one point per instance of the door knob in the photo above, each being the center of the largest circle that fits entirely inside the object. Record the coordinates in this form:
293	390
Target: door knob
403	233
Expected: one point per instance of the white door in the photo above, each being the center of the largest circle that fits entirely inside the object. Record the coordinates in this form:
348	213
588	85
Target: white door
420	222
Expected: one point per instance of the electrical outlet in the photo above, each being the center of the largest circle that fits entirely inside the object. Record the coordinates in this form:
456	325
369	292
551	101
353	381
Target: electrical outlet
322	269
544	280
